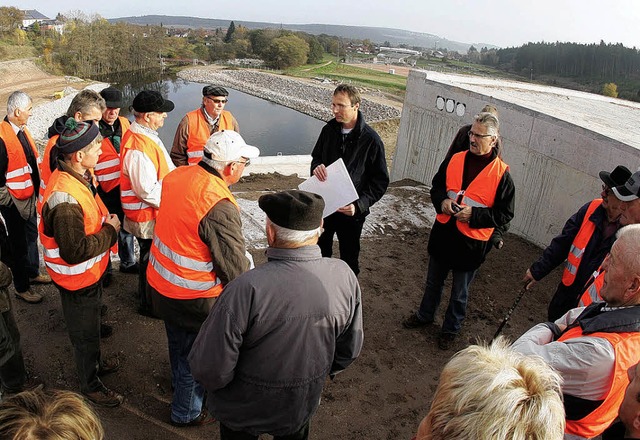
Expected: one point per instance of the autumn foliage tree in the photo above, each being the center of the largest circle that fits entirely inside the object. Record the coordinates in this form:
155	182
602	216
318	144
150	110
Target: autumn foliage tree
610	89
287	51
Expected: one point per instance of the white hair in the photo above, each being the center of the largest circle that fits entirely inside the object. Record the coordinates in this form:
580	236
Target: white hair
18	100
292	237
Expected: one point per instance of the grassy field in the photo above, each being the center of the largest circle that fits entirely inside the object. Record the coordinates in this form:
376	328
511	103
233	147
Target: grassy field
13	52
356	75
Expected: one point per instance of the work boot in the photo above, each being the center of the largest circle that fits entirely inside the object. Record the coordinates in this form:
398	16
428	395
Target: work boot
414	322
30	297
109	366
105	397
204	418
42	278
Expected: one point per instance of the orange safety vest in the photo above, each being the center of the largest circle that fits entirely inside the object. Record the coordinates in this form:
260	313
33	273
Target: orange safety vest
480	193
592	293
45	170
81	275
107	170
199	132
18	174
625	347
579	244
135	209
180	264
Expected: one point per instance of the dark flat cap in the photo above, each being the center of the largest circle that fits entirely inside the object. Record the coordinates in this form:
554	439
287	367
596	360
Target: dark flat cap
294	209
617	177
112	97
151	101
214	91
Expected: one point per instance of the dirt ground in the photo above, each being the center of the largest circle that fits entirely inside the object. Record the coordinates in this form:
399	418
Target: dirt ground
383	395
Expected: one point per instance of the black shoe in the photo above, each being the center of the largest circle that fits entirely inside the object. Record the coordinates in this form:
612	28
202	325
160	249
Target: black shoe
414	322
135	268
105	331
446	340
203	419
105	397
107	280
109	366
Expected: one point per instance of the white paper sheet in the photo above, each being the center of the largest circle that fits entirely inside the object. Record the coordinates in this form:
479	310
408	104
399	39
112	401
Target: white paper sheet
337	191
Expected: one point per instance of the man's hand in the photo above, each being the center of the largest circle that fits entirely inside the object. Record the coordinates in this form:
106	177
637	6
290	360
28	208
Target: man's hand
349	210
446	207
112	219
321	173
463	215
528	280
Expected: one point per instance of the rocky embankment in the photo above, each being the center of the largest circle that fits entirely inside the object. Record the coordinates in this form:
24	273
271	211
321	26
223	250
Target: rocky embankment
311	99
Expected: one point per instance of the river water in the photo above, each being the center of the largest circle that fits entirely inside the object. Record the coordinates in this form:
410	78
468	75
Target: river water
275	129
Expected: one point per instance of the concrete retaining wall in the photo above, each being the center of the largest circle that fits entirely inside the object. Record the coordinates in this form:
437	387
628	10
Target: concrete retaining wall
554	163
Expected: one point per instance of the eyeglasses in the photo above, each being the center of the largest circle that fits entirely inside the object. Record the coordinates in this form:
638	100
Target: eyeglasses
340	106
476	135
246	163
217	101
606	190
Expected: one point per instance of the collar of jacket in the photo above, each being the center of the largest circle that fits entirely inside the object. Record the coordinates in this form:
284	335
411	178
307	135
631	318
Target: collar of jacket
597	318
64	167
209	169
360	123
304	253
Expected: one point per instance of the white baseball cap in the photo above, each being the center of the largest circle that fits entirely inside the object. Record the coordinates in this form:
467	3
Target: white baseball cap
227	146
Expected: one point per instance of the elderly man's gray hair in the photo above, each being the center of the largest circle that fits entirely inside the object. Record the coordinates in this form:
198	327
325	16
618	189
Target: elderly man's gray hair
18	100
490	121
291	236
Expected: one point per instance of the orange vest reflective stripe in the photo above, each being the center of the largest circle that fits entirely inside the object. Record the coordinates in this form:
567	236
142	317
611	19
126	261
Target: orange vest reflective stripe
180	265
135	209
579	244
45	170
480	193
107	169
199	133
625	346
592	293
75	276
18	173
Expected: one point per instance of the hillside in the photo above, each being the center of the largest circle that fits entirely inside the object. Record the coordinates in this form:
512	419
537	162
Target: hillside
375	34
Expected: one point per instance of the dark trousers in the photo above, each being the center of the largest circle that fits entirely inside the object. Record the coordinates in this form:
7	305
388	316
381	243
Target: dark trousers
143	293
12	370
349	230
23	242
228	434
81	309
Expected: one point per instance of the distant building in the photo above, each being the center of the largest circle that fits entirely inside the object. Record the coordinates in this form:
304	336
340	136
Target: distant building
32	16
396	54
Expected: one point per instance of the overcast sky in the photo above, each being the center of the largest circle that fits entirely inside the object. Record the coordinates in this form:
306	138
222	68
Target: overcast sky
499	22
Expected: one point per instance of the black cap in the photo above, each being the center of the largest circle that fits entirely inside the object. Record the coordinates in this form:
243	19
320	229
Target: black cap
112	97
214	91
630	190
617	177
151	101
294	209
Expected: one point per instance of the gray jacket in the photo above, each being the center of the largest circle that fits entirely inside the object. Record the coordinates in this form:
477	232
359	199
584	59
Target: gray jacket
273	337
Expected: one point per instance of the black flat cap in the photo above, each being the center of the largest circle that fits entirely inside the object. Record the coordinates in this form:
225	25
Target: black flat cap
294	209
214	91
617	177
151	101
112	97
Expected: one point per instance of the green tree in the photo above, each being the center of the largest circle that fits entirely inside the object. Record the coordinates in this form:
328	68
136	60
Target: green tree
10	19
230	31
316	51
610	89
287	51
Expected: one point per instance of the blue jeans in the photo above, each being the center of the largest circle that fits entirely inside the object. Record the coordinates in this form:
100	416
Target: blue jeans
436	274
126	249
188	395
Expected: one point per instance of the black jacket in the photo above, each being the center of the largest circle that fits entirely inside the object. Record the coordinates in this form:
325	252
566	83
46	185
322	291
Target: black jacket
446	243
363	154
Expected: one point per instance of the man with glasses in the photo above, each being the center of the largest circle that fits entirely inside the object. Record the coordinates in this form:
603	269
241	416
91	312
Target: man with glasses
585	240
473	194
349	137
197	125
198	247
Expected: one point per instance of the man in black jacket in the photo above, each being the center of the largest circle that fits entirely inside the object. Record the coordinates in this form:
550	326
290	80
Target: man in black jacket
348	136
473	193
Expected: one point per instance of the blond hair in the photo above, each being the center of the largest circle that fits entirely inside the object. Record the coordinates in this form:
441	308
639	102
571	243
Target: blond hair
494	393
48	415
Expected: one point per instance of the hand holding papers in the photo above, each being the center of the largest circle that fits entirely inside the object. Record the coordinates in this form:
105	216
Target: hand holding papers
337	189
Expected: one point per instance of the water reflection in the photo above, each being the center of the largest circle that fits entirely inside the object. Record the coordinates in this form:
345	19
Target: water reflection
271	127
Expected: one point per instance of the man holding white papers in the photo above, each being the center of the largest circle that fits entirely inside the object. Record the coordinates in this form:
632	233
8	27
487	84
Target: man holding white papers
347	136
